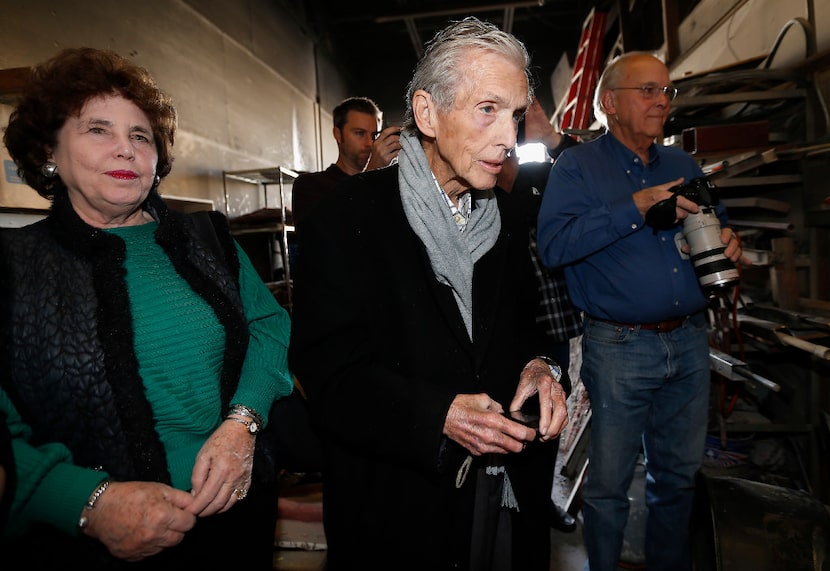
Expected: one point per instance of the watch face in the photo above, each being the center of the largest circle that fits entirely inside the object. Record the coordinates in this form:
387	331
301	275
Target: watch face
253	427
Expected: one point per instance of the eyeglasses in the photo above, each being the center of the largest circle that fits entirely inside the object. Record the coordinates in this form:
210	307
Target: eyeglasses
651	91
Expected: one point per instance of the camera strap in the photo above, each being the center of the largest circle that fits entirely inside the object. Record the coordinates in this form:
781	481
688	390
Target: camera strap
663	215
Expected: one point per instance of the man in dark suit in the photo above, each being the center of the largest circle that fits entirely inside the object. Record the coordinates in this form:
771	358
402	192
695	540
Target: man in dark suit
361	146
414	332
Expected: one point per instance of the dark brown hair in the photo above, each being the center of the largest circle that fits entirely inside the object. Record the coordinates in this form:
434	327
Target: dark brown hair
60	87
359	104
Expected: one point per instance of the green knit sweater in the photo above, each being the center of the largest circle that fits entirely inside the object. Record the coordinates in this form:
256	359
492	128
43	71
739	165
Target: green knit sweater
179	343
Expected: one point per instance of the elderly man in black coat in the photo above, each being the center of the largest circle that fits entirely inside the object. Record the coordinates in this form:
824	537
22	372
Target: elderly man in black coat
414	334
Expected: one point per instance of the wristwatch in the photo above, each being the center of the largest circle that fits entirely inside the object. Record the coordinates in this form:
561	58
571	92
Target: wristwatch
236	410
252	425
554	367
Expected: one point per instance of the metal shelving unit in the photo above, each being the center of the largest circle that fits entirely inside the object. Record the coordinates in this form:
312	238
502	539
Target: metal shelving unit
274	219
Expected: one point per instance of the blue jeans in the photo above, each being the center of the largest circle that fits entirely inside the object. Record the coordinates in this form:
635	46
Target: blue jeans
649	390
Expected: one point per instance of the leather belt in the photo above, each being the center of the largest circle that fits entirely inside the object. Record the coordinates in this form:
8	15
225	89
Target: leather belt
661	326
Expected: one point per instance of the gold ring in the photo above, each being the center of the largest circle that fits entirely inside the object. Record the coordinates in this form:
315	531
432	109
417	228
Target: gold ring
240	494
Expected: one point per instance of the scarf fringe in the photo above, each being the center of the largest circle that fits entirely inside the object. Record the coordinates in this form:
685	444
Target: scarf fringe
508	498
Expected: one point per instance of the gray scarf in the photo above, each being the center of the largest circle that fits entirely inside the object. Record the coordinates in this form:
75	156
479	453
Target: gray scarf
451	253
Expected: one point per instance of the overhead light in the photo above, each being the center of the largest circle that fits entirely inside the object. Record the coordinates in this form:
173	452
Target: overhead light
532	153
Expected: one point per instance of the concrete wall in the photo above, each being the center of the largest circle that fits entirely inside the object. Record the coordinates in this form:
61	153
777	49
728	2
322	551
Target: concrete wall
242	74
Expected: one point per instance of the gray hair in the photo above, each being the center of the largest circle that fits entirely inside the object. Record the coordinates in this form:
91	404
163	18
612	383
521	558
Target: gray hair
441	70
610	79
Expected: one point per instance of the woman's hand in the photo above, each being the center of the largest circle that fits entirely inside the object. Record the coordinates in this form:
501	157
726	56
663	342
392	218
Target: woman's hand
222	474
135	520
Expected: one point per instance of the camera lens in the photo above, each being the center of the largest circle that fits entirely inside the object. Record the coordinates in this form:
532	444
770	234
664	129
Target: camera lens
712	267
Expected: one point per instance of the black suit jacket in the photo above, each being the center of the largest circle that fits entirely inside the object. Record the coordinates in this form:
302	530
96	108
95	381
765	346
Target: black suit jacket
381	349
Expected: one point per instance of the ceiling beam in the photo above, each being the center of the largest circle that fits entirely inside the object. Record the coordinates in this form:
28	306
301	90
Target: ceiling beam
414	37
456	11
507	26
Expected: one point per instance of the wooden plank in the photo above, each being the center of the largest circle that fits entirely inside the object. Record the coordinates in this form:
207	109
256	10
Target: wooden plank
740	164
778	226
757	202
738	97
783	278
762	180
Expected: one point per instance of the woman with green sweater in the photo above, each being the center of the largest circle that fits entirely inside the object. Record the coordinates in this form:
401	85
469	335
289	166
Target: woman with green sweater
139	355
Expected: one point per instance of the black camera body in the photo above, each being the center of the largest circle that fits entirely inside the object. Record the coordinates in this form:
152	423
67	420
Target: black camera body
702	232
701	191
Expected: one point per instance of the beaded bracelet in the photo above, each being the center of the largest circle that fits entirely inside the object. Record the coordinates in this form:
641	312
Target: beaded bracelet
90	503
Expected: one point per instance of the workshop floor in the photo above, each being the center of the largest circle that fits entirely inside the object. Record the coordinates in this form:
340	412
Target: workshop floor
301	541
308	553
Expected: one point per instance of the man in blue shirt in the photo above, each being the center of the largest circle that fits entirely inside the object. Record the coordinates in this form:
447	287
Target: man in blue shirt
645	350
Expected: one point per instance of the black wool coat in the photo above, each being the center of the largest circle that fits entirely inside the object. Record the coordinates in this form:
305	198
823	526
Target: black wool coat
381	349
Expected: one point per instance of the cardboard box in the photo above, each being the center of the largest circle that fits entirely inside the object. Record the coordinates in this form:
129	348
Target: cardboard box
14	193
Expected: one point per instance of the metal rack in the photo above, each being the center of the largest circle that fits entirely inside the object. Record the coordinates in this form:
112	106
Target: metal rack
275	218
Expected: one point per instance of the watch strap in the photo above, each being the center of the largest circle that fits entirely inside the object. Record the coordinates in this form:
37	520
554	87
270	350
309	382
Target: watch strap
555	369
251	425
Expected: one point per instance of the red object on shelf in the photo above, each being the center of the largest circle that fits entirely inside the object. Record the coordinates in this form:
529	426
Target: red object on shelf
713	138
579	107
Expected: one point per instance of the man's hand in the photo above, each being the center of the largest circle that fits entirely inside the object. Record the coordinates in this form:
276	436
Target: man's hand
648	197
538	128
476	422
537	378
385	148
734	251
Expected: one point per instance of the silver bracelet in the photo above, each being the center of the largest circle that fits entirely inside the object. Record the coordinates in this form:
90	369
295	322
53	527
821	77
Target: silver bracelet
93	498
243	410
252	425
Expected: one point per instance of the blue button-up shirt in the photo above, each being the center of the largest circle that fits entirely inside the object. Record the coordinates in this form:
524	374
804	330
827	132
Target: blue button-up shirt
616	267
